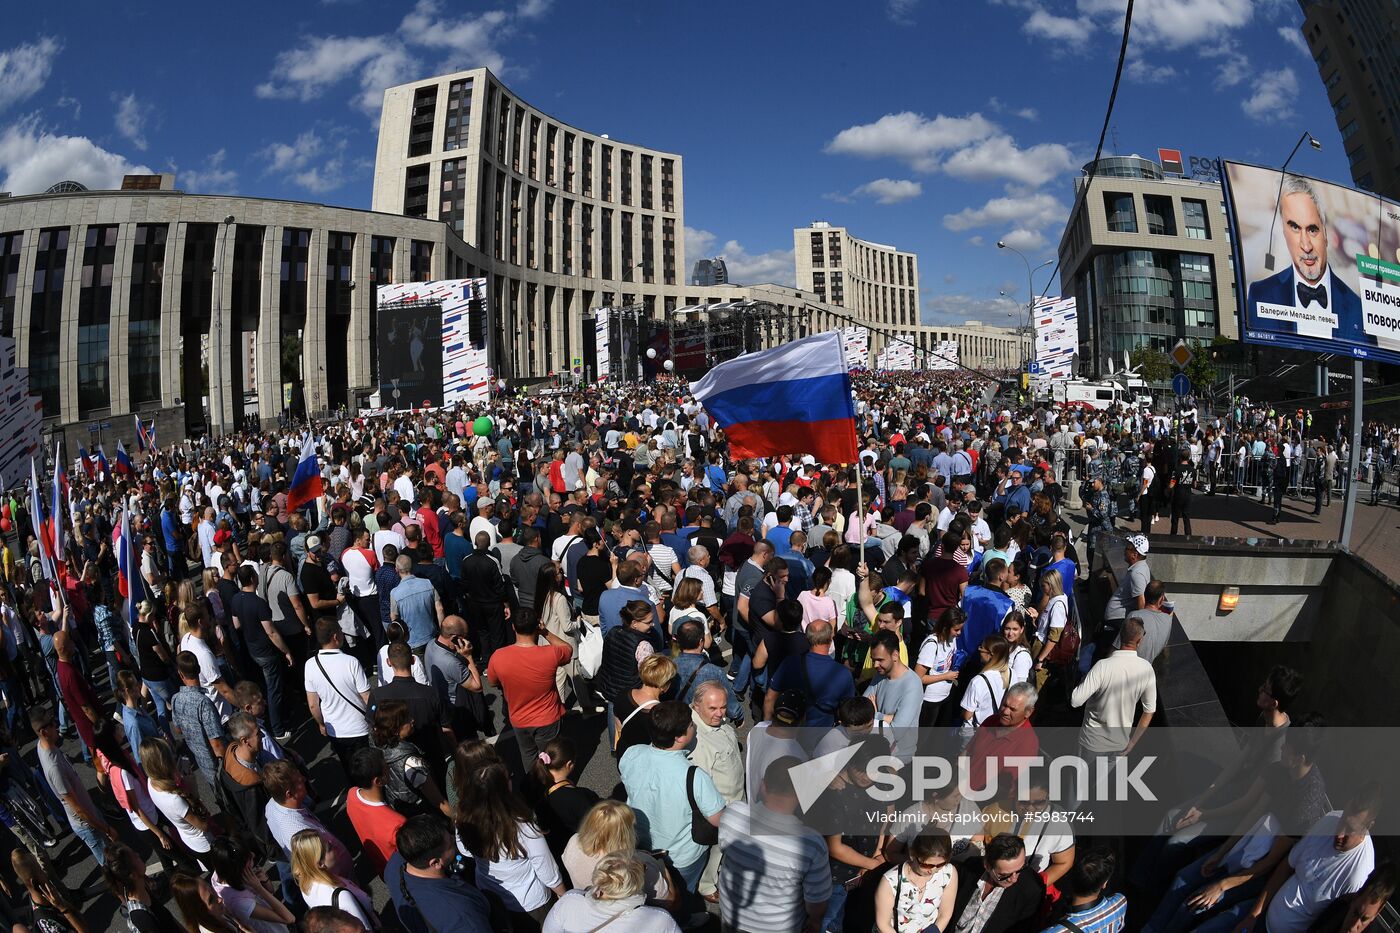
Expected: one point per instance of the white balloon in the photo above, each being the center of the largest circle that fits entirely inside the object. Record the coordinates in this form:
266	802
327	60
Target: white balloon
670	365
651	353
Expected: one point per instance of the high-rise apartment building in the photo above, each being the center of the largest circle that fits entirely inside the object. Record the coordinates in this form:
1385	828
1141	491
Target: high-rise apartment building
878	283
710	272
1148	259
565	220
1356	45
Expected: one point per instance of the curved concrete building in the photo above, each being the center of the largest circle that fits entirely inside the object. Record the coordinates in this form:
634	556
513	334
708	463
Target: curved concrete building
564	220
878	283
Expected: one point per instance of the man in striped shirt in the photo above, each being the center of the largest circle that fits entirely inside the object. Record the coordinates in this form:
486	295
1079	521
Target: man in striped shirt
1091	909
775	873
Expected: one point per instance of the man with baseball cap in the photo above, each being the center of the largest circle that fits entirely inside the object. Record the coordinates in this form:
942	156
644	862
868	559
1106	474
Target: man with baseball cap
1130	595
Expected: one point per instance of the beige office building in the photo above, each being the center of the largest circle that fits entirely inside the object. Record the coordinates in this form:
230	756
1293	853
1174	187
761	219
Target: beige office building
1148	259
878	283
564	220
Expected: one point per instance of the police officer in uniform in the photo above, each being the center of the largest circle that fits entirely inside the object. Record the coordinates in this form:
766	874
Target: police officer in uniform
1101	510
1183	484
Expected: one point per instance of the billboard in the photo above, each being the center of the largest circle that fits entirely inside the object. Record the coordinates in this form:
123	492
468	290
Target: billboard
21	415
1056	341
943	356
431	343
855	343
1317	265
898	353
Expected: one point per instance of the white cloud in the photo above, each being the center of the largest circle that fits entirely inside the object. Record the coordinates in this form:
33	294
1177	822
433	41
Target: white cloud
1000	158
315	160
950	278
32	159
952	310
911	137
1071	30
1172	24
213	177
976	240
321	62
1140	71
1025	113
745	268
1294	37
25	68
890	190
72	103
1023	239
130	119
901	11
1028	113
533	9
1272	95
1034	212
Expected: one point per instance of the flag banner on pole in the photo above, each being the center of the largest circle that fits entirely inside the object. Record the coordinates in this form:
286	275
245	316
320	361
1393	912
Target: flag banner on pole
86	463
43	529
793	399
123	464
306	481
60	497
129	581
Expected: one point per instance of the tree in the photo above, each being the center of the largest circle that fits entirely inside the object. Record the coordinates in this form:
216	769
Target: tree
1151	364
1201	370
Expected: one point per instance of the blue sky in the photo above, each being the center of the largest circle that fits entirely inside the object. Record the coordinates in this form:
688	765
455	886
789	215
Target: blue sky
932	125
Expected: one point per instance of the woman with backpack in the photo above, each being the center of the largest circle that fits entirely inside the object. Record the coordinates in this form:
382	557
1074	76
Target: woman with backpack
410	786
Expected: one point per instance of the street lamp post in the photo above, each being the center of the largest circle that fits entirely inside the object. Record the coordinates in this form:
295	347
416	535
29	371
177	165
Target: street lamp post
1030	293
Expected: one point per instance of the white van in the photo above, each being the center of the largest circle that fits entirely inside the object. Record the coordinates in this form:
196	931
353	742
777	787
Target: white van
1099	396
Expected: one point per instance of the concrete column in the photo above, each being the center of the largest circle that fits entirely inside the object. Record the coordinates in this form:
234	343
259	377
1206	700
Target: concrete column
24	291
119	324
402	246
222	405
68	326
170	386
268	346
313	335
359	369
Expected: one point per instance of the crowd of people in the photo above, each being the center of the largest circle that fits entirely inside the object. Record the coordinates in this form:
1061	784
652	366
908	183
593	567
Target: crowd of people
381	708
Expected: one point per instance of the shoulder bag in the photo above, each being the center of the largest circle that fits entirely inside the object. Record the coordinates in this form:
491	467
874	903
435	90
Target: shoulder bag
702	831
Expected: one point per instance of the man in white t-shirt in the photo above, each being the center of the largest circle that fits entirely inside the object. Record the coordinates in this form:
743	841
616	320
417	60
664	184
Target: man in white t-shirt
337	692
1331	861
211	678
1049	842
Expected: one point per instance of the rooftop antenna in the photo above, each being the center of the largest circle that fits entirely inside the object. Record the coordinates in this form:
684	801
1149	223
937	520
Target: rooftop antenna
1114	130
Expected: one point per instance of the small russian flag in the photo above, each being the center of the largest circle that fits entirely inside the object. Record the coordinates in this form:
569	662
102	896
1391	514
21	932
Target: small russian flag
124	466
306	481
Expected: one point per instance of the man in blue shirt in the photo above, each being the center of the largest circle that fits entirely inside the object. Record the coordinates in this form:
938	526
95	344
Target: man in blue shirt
610	603
656	778
694	667
414	602
942	462
1013	491
174	546
1091	908
824	680
426	897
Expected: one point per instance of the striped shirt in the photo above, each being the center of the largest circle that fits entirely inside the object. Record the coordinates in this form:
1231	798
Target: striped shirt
1106	915
773	866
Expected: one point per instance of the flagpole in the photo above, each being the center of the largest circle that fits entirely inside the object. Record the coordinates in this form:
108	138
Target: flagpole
860	508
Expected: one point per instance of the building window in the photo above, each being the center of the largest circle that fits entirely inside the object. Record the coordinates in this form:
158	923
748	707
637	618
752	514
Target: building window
588	240
549	207
143	334
459	110
646	182
534	158
607	173
627	254
626	178
569	161
415	191
420	261
668	249
1122	217
1194	215
1349	130
340	252
1161	216
1341	103
551	141
648	249
10	244
94	318
1355	156
668	185
1333	79
607	244
420	126
588	168
454	194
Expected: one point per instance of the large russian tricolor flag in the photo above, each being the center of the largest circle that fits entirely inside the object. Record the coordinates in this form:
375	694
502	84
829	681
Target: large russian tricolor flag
793	399
306	481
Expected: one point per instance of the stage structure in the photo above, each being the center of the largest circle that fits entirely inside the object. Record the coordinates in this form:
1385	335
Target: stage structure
897	354
1056	342
627	345
431	345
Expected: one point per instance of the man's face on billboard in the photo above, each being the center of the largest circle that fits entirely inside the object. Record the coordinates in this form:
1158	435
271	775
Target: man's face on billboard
1306	236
